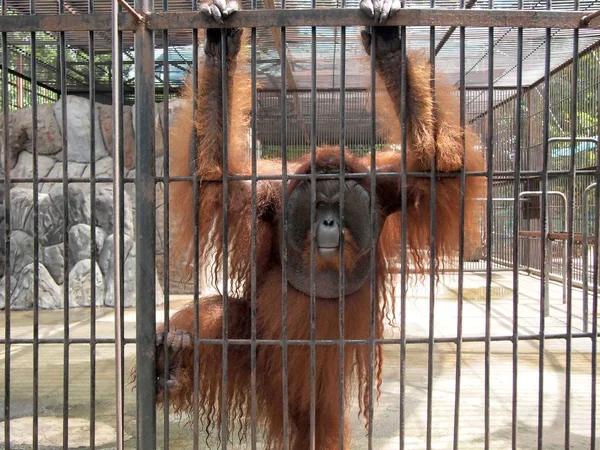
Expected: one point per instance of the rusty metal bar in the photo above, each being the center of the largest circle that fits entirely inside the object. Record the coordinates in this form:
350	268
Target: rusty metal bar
284	234
545	251
490	144
373	246
452	29
585	251
305	342
351	17
7	266
317	17
516	251
570	222
404	237
117	236
145	235
130	10
65	22
587	19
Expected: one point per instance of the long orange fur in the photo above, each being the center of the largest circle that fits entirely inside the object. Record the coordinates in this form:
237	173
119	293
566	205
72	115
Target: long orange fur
433	132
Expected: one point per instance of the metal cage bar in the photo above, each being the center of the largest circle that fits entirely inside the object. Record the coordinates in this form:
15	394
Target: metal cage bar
284	234
432	255
225	243
7	290
145	234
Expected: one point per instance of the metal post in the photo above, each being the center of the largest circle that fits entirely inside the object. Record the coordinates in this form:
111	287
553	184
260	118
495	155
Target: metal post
584	231
117	237
572	141
564	197
145	233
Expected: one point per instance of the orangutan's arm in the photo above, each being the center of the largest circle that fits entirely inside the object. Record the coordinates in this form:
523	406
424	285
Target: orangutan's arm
433	131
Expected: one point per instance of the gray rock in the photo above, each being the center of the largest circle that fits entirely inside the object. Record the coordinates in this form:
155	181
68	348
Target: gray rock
17	135
50	294
50	221
104	168
21	251
105	210
78	130
49	137
129	288
24	167
2	243
80	284
79	204
129	274
2	259
158	139
74	170
54	260
106	123
80	238
13	284
21	209
106	263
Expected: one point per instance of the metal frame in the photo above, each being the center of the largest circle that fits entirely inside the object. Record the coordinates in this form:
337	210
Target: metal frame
317	17
565	255
584	231
146	180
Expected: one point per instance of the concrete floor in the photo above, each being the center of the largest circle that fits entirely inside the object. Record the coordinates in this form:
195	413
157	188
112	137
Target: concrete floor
386	421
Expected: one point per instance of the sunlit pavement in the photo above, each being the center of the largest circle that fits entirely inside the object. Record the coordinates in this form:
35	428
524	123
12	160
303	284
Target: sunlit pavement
386	430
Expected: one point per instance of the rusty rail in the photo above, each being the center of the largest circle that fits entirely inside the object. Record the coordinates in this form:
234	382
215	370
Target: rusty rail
325	17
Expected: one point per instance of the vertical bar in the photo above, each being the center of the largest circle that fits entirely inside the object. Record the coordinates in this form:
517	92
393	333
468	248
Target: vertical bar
225	268
313	194
284	254
93	256
117	220
584	259
253	309
145	233
121	230
516	218
404	221
166	221
372	234
489	232
461	239
570	230
62	63
196	239
432	253
585	253
342	272
119	239
596	252
7	292
544	226
36	237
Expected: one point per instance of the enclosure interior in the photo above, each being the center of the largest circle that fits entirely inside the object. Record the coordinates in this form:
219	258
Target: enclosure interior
495	295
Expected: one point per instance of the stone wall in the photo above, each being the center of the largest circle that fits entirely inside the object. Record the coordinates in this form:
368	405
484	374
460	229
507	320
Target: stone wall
51	215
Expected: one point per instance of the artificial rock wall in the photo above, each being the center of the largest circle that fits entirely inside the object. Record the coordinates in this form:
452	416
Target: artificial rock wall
51	210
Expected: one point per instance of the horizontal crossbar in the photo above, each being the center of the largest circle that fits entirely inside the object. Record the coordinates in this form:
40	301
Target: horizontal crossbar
326	17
